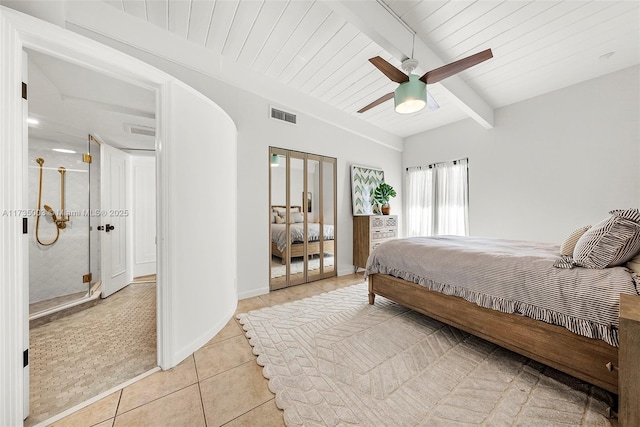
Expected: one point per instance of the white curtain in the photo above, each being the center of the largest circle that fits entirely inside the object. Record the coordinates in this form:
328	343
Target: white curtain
438	199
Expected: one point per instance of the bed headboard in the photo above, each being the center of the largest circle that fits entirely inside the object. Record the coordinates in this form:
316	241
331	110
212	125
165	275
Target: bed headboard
284	207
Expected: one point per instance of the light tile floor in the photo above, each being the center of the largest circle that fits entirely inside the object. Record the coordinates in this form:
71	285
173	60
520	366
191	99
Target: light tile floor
220	384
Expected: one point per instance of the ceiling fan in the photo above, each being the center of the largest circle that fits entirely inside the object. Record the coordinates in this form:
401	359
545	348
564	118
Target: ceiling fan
411	95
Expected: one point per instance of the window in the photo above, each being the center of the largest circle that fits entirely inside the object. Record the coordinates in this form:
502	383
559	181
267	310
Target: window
438	199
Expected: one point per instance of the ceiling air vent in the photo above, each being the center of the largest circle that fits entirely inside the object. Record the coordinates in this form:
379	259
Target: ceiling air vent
283	115
140	129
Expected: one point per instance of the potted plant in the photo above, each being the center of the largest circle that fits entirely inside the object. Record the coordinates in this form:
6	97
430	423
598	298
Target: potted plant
381	196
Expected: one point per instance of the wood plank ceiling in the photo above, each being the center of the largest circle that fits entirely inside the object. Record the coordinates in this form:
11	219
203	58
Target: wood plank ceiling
538	46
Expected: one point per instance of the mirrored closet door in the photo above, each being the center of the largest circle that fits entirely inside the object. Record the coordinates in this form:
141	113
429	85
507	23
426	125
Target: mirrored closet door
302	212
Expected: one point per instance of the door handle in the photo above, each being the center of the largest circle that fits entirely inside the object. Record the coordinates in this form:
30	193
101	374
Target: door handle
108	228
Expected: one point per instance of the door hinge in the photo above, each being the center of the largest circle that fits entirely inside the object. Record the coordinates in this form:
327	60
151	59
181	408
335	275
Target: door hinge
86	278
25	358
24	90
87	158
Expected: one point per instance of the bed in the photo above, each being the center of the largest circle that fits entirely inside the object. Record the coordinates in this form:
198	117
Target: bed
441	277
279	236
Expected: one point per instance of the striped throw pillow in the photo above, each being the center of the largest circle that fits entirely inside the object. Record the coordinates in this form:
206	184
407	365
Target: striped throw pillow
631	214
569	244
611	242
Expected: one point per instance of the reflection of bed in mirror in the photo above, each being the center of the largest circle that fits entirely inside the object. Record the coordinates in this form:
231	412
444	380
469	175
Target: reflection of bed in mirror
296	229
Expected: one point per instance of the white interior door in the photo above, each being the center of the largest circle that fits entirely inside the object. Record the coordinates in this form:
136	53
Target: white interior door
116	271
143	179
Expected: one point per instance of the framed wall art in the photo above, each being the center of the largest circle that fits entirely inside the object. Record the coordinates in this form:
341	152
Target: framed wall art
364	181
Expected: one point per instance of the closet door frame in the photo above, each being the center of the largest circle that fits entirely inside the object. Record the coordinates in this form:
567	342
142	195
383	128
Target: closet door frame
305	157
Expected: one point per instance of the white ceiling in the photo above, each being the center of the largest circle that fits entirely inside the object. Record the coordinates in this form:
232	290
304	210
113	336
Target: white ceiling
70	102
321	48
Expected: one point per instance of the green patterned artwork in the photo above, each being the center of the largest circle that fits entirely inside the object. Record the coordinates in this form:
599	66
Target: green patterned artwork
363	181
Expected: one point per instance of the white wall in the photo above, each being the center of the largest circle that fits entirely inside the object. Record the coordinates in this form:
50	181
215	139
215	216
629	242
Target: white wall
551	164
256	132
200	237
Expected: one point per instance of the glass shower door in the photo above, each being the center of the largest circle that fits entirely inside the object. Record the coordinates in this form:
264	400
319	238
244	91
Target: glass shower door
95	215
59	228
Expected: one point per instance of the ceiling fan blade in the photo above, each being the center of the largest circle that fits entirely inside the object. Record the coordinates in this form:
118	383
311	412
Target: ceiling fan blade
432	104
376	102
389	70
434	76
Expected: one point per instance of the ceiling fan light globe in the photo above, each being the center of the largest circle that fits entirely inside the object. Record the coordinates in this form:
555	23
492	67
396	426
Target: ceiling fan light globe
410	106
410	96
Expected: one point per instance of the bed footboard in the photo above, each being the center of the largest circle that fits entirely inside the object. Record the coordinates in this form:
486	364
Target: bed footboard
629	410
591	360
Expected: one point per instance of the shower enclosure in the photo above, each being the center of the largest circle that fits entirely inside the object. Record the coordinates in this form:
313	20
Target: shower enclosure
64	245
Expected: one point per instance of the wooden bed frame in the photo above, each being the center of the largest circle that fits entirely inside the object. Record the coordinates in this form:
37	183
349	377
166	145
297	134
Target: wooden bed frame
591	360
297	249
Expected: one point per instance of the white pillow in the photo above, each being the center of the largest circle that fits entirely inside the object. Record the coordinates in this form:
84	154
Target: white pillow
279	220
569	243
634	264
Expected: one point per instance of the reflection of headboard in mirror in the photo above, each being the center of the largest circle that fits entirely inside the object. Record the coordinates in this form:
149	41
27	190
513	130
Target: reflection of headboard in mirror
299	208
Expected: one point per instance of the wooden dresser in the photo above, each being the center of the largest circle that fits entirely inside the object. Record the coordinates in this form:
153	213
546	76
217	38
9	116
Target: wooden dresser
368	232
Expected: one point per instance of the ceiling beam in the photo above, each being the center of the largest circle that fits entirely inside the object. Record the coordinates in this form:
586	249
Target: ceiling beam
377	23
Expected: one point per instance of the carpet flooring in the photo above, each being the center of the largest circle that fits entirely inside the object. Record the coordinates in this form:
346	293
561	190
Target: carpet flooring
335	360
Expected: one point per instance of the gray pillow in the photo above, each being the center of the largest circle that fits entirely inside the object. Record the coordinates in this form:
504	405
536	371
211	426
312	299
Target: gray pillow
611	242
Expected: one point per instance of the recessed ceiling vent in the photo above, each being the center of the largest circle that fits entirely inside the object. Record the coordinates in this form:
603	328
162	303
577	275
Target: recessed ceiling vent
139	129
284	116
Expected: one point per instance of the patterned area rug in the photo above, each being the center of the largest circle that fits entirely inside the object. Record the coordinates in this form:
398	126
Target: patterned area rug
335	360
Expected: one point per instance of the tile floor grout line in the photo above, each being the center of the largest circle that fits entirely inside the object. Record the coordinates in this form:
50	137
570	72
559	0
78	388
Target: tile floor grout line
204	414
158	398
118	405
233	367
217	342
252	409
195	366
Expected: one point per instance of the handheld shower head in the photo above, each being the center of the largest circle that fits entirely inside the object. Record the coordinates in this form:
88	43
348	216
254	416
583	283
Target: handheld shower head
53	215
